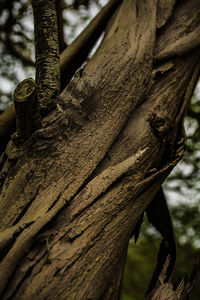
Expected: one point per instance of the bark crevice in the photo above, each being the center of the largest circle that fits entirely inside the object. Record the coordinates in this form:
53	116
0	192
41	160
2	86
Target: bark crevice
88	175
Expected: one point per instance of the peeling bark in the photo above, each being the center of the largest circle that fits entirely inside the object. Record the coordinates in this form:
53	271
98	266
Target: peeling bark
70	60
179	290
73	197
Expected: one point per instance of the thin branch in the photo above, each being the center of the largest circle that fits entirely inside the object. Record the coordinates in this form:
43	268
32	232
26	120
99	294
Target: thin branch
47	53
18	52
7	126
59	9
73	56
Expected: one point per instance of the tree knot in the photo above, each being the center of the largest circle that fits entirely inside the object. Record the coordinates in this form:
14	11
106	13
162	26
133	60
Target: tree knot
160	126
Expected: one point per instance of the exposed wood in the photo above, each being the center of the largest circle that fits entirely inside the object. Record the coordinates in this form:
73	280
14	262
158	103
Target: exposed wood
74	55
86	130
70	203
180	290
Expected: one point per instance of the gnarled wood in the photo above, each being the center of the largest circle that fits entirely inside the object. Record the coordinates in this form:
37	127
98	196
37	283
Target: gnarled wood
70	203
70	59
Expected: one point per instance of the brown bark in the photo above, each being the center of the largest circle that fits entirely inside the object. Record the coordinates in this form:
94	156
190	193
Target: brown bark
70	60
7	126
179	290
73	197
46	53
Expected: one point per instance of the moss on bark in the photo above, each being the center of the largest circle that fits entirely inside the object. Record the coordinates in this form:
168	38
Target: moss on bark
47	53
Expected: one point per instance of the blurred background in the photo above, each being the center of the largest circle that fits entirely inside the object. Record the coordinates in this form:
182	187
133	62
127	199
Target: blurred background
181	188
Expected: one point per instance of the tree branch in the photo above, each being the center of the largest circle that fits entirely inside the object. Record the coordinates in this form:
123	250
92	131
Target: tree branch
47	53
18	52
81	185
7	126
59	10
76	53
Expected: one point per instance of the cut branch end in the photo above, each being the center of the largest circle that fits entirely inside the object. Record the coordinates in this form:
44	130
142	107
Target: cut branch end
25	108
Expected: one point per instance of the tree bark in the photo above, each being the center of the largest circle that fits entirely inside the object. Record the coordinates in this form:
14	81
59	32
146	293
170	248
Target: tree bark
47	53
72	198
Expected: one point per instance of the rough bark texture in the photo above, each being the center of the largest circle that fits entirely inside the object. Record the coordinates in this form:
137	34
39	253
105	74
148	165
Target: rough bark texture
76	53
71	200
70	60
179	290
47	53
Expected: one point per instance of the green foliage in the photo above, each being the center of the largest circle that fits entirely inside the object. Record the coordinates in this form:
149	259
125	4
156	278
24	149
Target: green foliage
140	263
141	260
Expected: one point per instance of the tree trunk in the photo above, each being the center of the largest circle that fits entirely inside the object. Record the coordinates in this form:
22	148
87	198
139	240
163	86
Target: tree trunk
73	194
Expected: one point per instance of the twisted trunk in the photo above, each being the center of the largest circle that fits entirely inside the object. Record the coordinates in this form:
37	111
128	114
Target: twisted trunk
77	188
